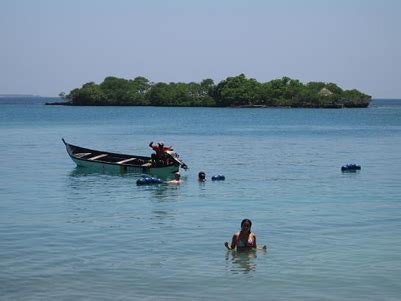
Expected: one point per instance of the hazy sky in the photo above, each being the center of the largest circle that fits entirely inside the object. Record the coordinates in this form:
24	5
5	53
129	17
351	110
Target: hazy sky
49	46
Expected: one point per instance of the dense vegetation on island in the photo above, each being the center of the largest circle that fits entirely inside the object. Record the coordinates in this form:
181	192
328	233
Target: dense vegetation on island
237	91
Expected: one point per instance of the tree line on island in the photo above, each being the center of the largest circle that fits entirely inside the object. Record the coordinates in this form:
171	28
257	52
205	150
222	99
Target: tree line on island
237	91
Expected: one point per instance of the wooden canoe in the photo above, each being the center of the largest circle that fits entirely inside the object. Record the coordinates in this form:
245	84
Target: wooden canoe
123	163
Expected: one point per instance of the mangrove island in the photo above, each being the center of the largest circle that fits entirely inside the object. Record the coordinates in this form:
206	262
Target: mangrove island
237	91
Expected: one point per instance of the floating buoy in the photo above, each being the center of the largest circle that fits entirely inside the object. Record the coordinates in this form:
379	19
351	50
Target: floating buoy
350	168
148	180
141	181
218	178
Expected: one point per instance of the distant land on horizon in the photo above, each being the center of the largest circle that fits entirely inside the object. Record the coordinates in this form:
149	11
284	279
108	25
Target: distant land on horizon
22	96
19	95
234	91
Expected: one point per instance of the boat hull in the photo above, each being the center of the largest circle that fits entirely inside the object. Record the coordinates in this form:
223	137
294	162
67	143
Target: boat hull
161	172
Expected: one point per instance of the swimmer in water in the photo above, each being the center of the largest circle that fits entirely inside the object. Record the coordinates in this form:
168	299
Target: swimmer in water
201	176
244	240
177	179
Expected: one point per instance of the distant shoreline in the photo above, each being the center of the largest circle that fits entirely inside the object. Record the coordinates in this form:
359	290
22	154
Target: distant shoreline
234	107
21	96
58	101
63	102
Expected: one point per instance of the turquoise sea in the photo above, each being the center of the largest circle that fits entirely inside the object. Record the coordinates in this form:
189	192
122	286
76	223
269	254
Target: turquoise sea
72	234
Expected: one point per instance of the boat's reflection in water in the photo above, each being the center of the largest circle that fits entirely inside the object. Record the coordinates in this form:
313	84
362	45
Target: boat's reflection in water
90	192
79	171
87	179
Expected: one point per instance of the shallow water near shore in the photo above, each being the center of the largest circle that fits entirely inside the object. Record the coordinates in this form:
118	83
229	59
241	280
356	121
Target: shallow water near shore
69	233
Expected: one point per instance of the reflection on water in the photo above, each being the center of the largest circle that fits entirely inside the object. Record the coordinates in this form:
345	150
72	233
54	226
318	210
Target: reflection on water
79	171
84	179
84	171
117	198
241	262
163	217
164	191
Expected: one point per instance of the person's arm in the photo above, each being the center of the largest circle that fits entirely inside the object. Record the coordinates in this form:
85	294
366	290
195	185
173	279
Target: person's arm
254	241
263	247
151	144
255	246
233	242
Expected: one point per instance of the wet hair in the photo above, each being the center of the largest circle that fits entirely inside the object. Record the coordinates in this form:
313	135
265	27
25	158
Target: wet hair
201	175
247	221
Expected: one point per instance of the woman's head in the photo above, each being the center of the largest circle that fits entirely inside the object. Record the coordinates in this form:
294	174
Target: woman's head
177	175
246	225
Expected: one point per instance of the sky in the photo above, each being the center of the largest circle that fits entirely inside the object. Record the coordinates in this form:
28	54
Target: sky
53	46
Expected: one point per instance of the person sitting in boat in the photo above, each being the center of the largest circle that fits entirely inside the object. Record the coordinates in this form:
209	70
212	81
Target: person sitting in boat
160	147
244	240
177	179
154	159
160	152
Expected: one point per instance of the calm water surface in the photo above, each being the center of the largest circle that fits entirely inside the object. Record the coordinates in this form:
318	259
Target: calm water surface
69	234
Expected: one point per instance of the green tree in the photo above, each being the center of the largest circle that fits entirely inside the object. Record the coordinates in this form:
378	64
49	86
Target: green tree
160	94
90	94
234	91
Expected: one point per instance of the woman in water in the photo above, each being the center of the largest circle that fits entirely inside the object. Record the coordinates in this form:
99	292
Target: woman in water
244	240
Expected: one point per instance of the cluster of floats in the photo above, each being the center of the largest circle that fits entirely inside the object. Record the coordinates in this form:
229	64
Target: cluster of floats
350	167
164	164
